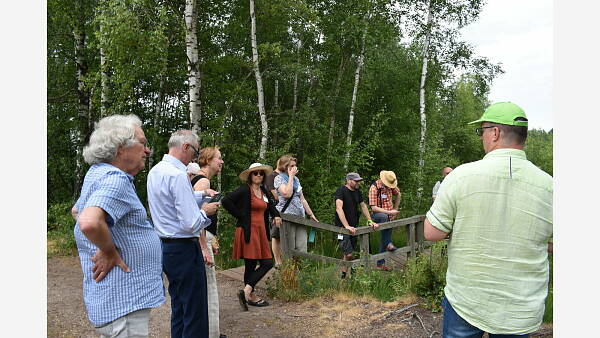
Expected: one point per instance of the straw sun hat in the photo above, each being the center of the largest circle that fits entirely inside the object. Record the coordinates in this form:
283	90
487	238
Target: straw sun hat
255	167
388	178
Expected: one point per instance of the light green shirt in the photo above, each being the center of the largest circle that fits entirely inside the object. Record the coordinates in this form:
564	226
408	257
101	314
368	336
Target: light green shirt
499	213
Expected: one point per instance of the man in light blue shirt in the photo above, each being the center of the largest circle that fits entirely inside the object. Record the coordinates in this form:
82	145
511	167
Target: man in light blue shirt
113	229
179	223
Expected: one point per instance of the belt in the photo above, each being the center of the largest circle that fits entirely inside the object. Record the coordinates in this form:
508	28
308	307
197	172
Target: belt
183	239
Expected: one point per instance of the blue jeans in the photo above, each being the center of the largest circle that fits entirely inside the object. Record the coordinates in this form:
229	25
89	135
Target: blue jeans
456	327
184	266
386	235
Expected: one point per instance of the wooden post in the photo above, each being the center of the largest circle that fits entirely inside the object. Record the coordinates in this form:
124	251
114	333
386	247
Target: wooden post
364	251
420	233
411	239
283	239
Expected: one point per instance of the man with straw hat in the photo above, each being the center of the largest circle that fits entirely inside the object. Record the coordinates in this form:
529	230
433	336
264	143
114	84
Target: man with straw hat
499	212
381	194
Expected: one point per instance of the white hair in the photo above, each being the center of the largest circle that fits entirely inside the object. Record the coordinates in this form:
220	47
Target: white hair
109	134
193	168
180	137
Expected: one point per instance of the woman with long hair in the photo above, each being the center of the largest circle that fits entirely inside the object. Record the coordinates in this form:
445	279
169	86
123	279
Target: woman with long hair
251	205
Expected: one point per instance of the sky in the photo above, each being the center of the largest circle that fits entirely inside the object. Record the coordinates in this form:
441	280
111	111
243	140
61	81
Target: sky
518	34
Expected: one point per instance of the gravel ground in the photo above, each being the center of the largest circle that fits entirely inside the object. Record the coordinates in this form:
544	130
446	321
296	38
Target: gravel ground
331	316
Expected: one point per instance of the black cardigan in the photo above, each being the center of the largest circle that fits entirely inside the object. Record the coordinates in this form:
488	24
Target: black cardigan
237	203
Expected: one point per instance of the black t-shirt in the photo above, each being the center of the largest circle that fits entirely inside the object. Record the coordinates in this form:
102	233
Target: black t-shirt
213	218
351	201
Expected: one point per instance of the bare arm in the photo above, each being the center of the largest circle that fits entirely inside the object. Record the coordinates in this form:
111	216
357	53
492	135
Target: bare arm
365	211
432	233
307	208
339	205
204	248
550	247
92	223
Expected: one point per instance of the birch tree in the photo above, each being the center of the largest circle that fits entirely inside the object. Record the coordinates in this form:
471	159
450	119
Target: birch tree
83	96
259	86
425	59
194	78
361	60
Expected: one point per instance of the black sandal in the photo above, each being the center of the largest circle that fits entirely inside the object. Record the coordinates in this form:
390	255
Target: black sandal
260	303
242	299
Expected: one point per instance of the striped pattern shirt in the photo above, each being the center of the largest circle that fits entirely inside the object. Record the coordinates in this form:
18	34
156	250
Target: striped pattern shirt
119	293
499	213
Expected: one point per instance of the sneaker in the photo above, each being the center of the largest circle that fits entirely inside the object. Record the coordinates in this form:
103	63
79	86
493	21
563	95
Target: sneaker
384	267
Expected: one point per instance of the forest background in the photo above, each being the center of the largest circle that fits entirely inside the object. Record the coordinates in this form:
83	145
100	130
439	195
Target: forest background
358	85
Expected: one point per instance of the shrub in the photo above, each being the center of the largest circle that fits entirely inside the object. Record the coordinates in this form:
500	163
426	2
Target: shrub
60	236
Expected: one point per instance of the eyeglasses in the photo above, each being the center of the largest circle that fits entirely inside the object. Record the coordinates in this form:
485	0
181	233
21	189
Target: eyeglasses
258	173
479	130
195	150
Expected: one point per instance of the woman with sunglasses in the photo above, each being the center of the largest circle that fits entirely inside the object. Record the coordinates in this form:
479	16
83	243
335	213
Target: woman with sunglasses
251	205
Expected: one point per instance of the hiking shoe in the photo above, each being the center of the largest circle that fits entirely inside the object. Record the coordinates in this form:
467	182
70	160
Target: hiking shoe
384	267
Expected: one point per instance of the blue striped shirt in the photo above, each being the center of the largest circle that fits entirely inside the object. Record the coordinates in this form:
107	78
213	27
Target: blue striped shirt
119	293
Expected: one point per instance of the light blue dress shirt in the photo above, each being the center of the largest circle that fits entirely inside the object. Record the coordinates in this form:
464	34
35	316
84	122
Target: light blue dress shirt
172	201
119	293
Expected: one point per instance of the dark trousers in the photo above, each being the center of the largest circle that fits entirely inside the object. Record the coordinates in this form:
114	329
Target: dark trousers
252	275
456	327
184	266
386	235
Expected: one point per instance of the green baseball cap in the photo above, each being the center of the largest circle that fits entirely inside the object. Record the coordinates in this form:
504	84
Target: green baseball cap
503	113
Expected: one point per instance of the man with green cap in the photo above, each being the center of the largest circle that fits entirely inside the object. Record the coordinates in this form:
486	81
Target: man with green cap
498	211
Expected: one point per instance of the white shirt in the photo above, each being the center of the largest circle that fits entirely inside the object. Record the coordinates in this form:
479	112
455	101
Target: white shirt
173	202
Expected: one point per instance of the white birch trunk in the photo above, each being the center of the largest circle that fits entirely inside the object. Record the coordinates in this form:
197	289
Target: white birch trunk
191	44
295	106
422	113
361	58
83	101
103	84
259	86
311	84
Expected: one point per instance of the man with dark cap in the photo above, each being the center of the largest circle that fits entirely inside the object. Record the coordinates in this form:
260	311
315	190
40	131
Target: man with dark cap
347	198
499	212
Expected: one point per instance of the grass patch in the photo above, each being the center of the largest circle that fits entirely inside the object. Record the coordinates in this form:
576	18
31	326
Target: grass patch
60	236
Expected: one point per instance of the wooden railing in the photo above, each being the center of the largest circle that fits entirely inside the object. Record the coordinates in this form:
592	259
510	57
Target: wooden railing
416	241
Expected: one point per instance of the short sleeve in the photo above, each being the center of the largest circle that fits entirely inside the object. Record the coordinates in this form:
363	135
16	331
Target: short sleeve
277	182
111	195
339	194
395	191
373	195
360	196
443	211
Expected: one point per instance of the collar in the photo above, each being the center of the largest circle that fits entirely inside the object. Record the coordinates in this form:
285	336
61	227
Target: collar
129	176
174	161
506	152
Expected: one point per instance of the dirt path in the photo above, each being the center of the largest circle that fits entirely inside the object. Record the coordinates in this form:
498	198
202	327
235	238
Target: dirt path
332	316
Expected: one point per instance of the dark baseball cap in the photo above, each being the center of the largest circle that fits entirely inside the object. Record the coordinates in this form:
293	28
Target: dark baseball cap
354	177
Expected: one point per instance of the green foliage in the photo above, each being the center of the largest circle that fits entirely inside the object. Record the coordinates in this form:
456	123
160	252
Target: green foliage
60	234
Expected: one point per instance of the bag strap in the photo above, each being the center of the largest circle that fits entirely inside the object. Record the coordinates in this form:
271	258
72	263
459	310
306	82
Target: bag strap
287	204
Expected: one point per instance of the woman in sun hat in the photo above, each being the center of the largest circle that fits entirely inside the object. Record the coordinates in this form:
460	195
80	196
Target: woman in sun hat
251	205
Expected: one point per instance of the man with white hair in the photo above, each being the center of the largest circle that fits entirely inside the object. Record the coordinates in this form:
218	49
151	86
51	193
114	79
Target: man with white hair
179	221
113	229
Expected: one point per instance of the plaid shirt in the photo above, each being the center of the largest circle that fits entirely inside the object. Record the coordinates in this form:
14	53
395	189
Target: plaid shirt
381	196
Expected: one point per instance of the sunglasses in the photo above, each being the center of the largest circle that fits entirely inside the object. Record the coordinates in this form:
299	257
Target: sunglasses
258	173
479	130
